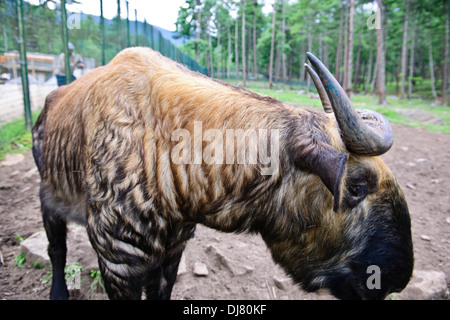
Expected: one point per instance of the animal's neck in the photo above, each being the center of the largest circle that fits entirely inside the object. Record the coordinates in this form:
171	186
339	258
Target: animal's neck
239	155
237	198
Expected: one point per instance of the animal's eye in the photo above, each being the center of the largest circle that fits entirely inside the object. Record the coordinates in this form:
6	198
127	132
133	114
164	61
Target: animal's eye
359	190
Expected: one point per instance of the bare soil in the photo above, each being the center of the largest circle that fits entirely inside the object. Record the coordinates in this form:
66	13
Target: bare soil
239	266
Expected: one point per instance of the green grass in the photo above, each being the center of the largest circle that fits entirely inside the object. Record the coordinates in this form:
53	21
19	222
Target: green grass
290	96
421	88
14	137
394	104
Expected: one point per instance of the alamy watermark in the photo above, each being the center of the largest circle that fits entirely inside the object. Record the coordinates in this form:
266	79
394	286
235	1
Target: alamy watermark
234	146
73	276
74	21
374	21
374	280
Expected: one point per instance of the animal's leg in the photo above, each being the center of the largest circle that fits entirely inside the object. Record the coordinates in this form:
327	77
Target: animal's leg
120	269
56	229
162	279
119	285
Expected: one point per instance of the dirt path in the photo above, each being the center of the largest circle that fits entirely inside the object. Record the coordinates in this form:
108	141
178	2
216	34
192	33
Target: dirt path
239	266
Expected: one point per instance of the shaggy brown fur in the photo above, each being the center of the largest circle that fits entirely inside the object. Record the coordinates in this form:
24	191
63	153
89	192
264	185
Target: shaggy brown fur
103	147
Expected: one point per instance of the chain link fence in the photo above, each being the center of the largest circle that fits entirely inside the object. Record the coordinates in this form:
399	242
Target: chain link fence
44	32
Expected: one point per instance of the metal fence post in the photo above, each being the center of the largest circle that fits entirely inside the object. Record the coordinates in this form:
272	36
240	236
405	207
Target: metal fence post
136	28
24	66
128	24
65	41
119	47
152	38
147	41
102	31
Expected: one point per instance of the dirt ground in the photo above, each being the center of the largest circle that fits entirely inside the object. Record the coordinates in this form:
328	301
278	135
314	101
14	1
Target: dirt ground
240	266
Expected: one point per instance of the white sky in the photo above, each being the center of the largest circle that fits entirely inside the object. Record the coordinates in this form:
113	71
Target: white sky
161	13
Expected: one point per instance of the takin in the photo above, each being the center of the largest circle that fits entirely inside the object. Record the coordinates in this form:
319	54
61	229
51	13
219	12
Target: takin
142	149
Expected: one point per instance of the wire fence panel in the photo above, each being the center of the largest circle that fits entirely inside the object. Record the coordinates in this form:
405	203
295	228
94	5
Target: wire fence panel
96	32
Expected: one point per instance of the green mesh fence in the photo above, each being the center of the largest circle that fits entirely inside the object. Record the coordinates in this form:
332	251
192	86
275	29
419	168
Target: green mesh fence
36	28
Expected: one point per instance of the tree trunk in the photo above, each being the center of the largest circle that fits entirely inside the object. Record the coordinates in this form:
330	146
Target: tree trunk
445	59
272	45
218	50
381	81
247	51
320	47
5	35
229	50
404	51
325	50
357	67
349	64
49	42
302	60
345	60
369	71
283	32
411	59
430	54
210	63
243	44
339	46
374	78
198	31
255	65
397	75
308	80
277	62
236	47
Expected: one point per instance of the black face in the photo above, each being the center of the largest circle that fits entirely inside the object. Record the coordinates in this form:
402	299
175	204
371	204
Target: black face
389	243
385	263
362	251
372	255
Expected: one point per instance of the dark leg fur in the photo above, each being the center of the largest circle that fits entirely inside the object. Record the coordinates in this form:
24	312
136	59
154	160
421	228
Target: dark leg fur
121	279
118	287
162	279
56	230
159	280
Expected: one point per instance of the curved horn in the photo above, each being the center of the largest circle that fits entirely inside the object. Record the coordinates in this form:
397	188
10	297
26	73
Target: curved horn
320	89
364	132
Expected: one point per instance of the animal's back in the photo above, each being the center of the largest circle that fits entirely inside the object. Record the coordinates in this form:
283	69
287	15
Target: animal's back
109	131
95	123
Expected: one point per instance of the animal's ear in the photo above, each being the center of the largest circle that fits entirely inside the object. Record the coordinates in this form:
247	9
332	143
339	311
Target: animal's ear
329	164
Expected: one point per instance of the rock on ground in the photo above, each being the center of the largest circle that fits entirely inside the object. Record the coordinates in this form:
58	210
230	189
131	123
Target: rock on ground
425	285
200	269
35	248
78	248
234	268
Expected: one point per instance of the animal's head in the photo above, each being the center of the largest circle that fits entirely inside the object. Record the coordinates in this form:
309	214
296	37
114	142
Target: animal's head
355	239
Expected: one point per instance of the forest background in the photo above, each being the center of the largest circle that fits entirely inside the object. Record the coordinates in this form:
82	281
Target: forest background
395	46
